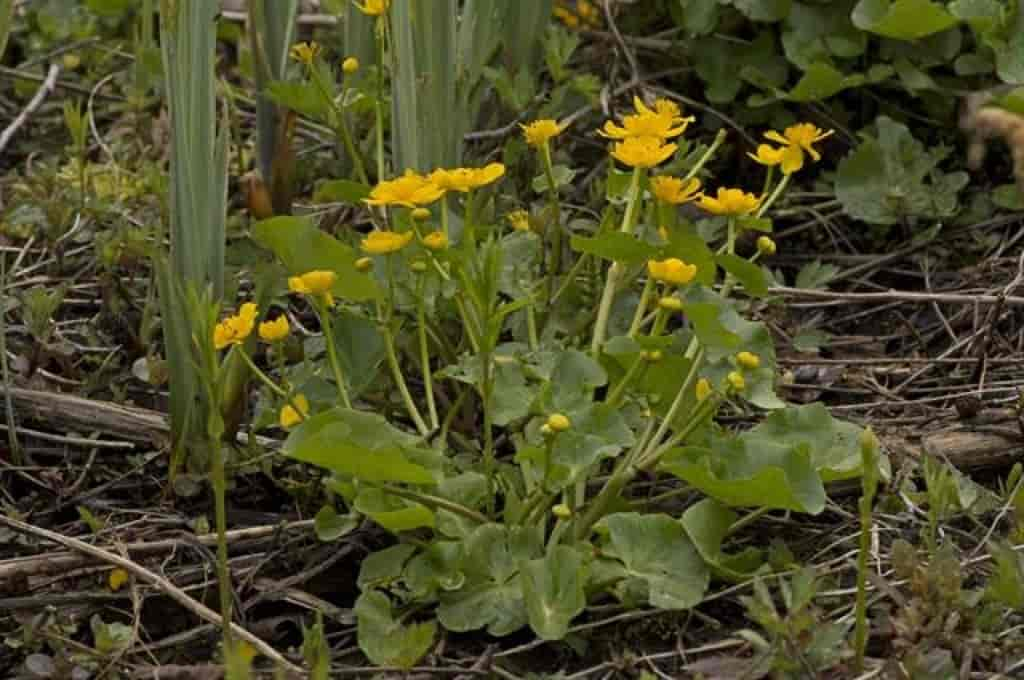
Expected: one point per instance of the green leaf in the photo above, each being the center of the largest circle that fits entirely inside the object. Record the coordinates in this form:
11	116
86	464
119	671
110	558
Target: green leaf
573	380
110	638
599	431
698	17
656	551
746	272
730	471
303	98
110	8
330	526
763	10
384	639
492	596
392	513
359	444
902	19
382	568
1008	197
561	174
821	81
1006	585
833	445
815	275
615	245
360	348
341	191
894	176
553	591
1012	101
303	248
707	523
707	326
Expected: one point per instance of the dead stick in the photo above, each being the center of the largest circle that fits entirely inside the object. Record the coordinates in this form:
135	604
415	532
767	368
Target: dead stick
63	561
155	580
896	296
36	101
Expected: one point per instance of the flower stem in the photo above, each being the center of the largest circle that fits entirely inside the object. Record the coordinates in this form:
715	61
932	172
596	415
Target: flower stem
555	225
384	319
218	477
332	353
702	161
378	104
342	129
677	403
774	195
428	379
435	502
619	390
274	387
641	307
615	271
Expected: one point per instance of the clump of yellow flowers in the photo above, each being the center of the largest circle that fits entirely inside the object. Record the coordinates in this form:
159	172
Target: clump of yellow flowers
236	328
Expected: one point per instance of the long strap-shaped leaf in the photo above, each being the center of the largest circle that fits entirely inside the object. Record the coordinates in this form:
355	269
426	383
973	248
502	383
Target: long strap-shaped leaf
198	202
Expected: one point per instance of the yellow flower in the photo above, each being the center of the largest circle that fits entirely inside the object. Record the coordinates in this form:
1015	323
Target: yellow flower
790	158
350	65
540	131
305	52
519	219
675	190
364	264
410	190
435	240
566	17
672	271
385	242
558	422
766	246
643	152
117	578
466	179
272	331
290	417
703	389
670	304
318	282
736	381
374	8
663	122
748	360
588	12
796	140
235	329
730	202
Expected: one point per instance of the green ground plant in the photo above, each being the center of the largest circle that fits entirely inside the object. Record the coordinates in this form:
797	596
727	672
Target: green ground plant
466	405
524	360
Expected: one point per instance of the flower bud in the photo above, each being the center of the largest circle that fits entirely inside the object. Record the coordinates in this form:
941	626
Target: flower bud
652	356
562	511
418	266
420	214
671	304
703	389
364	264
558	422
736	381
766	246
350	65
748	360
